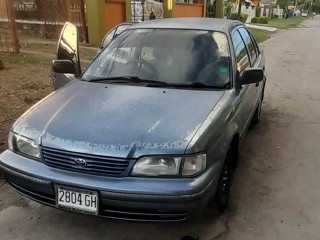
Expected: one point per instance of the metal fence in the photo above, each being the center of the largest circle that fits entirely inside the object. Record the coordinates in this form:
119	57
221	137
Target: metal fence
8	32
48	16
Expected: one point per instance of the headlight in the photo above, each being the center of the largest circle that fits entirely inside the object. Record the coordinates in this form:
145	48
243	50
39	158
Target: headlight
194	164
157	166
169	165
23	145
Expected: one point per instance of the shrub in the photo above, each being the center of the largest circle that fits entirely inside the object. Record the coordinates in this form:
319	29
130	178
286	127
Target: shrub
255	20
243	17
264	20
258	9
234	16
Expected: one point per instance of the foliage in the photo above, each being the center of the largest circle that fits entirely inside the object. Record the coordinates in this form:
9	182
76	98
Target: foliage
227	8
285	3
315	6
211	9
243	17
264	20
258	10
234	16
255	20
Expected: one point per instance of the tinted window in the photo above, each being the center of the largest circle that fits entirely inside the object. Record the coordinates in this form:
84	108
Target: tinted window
247	39
170	56
240	51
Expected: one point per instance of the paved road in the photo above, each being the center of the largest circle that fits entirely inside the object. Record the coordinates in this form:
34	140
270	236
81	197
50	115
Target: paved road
276	190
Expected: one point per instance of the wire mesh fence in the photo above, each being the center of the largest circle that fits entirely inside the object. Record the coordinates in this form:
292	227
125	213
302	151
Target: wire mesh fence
48	16
8	31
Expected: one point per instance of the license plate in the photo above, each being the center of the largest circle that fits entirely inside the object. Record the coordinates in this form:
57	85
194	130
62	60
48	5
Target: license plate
78	200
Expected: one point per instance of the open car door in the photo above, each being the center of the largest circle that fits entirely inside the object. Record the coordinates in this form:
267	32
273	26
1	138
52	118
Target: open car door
66	66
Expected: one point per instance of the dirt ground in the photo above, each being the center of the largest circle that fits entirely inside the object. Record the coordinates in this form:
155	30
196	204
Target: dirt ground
26	78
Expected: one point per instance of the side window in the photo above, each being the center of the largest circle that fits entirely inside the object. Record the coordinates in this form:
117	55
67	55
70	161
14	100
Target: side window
255	45
240	51
247	39
108	38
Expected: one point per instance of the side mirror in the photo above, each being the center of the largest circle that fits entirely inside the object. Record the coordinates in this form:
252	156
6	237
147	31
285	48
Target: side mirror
63	66
68	47
251	75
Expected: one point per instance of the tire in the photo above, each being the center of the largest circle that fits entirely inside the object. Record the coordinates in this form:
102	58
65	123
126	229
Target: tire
257	113
223	188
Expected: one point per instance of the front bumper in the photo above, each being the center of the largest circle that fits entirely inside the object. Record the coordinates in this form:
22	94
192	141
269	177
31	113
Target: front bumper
129	198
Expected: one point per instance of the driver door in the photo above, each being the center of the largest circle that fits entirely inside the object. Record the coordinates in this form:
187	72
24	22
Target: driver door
67	52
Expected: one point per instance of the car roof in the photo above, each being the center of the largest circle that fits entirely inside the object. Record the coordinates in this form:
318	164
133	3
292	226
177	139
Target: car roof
211	24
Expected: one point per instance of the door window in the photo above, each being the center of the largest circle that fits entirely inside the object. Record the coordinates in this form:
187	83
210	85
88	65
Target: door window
247	39
240	51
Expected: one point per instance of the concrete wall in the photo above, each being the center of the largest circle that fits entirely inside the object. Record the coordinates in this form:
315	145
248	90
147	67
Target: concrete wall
188	10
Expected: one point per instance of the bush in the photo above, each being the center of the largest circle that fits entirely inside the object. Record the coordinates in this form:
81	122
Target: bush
234	16
255	20
243	17
258	9
264	20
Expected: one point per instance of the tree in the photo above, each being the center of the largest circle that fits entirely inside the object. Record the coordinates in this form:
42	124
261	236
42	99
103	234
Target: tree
227	8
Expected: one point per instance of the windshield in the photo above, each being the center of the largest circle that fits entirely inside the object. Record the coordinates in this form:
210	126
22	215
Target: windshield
167	56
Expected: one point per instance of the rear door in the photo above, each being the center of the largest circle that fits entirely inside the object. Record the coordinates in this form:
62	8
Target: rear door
68	49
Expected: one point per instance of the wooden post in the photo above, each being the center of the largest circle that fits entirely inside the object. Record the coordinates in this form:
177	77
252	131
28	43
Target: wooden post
83	22
13	26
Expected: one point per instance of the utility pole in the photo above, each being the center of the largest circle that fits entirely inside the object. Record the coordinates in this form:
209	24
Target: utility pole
239	9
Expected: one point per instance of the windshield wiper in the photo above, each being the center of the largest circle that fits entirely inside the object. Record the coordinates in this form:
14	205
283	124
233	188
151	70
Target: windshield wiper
189	85
125	79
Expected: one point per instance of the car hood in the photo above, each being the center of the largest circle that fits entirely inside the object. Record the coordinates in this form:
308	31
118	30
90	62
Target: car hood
118	120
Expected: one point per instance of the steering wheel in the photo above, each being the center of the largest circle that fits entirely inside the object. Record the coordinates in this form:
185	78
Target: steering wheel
148	65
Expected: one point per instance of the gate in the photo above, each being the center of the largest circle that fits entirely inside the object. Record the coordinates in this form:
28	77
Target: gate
49	16
8	31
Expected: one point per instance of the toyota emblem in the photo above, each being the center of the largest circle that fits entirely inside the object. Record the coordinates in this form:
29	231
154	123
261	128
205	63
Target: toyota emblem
80	162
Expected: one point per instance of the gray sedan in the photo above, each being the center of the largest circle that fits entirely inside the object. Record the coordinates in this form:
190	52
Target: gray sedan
150	131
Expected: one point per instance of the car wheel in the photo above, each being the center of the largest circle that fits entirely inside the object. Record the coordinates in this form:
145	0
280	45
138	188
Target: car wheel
223	188
257	114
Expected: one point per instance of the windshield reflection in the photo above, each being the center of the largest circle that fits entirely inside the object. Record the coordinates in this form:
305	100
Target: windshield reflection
170	56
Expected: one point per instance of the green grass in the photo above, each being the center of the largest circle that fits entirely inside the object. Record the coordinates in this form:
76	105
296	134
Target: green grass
286	23
260	35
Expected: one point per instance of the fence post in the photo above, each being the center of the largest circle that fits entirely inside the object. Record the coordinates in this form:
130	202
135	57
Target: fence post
83	21
13	26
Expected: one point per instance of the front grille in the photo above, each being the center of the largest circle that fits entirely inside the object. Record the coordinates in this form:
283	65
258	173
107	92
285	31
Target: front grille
142	214
95	164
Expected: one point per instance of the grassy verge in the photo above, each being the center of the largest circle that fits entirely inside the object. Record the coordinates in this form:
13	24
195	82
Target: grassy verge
286	23
24	59
260	35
